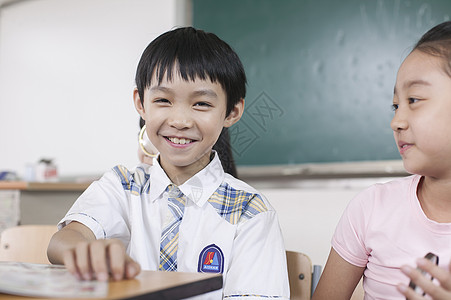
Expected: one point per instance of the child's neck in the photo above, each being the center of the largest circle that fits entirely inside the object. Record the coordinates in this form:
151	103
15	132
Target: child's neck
435	198
179	175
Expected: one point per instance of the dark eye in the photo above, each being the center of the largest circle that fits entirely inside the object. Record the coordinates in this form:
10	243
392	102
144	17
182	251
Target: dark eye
413	100
204	104
394	107
161	100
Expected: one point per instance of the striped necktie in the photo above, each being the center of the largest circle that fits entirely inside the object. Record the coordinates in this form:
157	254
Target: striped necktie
170	234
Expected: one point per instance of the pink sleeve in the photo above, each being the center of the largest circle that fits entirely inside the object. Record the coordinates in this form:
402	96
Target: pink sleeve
349	237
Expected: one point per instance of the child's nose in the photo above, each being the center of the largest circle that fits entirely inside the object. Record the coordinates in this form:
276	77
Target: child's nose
399	121
180	119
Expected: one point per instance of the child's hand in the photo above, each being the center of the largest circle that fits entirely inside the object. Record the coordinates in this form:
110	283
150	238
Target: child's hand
100	259
437	292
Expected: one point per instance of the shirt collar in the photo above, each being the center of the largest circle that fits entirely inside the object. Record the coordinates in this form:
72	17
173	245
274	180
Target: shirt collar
198	188
158	181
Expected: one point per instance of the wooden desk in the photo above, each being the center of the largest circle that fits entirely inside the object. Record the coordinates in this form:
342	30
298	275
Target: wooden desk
154	285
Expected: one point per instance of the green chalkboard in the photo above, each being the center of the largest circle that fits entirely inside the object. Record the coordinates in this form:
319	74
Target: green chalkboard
320	73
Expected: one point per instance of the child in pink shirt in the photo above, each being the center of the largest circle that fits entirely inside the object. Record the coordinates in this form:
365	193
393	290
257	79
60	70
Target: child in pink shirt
388	227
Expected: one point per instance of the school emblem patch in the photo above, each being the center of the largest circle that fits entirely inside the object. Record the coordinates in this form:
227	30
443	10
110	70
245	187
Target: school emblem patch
211	260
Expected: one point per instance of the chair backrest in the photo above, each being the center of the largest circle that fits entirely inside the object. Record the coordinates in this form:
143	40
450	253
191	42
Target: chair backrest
300	275
26	243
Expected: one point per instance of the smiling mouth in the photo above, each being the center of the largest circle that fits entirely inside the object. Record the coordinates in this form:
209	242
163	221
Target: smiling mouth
404	147
180	141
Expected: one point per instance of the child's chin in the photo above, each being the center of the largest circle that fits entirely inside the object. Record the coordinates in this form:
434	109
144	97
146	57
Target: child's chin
412	168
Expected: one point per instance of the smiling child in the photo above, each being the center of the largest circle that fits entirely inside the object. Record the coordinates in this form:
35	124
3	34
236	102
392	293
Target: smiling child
183	213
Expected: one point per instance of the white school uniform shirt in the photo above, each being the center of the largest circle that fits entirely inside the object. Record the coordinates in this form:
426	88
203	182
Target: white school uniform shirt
223	216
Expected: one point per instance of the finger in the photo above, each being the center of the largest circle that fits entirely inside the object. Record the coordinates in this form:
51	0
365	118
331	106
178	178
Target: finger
82	260
132	268
98	259
442	275
436	292
116	259
416	277
408	292
69	263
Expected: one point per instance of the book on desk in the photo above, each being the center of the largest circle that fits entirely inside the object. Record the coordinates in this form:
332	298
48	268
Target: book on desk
21	280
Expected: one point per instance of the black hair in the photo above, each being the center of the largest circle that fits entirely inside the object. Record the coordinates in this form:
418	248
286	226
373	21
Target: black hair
224	150
196	54
437	42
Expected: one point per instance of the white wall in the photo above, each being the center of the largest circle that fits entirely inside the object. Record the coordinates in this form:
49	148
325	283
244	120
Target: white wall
66	79
309	211
308	217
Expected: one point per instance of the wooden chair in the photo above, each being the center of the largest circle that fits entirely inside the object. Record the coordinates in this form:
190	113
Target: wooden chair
300	275
26	243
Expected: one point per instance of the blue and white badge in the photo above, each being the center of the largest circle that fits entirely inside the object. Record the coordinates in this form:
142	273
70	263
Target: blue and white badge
211	260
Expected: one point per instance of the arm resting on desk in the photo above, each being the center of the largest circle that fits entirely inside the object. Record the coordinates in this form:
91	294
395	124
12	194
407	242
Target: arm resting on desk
76	247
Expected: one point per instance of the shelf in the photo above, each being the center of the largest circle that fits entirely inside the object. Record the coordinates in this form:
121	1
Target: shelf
43	186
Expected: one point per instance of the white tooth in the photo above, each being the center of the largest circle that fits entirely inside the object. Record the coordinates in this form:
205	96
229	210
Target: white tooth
180	141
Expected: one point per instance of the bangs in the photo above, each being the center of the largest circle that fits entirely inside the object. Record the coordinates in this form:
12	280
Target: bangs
201	59
192	54
167	70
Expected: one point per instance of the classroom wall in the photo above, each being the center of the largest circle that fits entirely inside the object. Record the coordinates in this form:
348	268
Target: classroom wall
66	79
309	210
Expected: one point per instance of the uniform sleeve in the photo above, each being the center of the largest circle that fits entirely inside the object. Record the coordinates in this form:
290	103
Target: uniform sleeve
102	208
349	237
258	267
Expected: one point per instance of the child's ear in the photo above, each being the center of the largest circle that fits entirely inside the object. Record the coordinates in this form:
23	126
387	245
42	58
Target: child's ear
235	114
138	104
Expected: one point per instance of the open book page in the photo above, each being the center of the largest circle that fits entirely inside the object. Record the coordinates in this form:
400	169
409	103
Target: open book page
38	280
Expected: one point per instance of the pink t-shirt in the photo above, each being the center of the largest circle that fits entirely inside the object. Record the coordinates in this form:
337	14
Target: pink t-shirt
383	228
